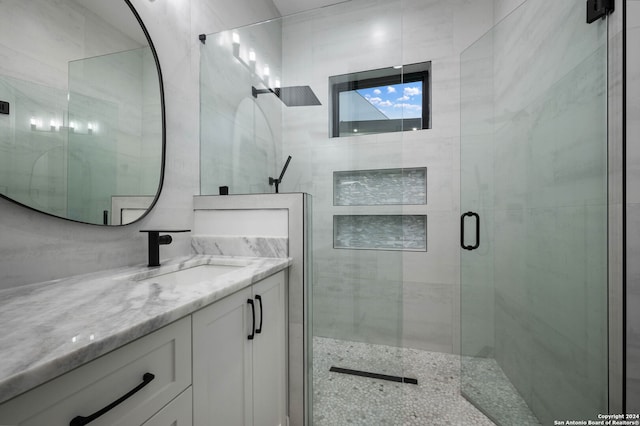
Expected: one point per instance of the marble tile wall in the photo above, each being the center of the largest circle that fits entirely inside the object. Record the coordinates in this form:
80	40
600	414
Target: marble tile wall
35	247
358	36
633	206
550	190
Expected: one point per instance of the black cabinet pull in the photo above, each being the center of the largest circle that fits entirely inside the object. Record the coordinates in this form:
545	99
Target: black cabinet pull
253	316
81	421
477	244
259	299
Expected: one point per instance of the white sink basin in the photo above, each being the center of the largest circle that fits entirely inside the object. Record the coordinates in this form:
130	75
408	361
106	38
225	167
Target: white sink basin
195	274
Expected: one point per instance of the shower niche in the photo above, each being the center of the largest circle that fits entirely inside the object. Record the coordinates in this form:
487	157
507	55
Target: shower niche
380	187
373	229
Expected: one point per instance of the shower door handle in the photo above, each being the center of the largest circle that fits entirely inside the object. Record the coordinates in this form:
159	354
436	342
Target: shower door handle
477	244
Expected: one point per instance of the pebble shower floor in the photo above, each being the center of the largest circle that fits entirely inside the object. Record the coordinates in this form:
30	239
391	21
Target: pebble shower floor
342	399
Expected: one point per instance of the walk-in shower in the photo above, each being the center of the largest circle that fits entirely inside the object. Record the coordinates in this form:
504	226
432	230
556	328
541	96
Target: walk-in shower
511	143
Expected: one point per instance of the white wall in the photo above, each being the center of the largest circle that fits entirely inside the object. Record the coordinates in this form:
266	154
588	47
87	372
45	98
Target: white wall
35	247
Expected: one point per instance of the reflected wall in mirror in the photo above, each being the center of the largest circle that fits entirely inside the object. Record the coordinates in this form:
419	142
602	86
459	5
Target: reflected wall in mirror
82	125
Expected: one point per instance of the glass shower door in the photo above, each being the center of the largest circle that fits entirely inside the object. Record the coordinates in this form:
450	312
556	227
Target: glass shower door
534	180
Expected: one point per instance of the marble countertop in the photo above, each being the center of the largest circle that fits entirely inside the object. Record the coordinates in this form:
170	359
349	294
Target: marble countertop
52	327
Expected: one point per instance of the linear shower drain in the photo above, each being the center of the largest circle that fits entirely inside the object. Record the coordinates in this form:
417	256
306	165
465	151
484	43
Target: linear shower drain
398	379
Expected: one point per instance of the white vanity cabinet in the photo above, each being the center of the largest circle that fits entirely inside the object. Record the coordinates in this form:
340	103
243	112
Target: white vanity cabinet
162	357
239	358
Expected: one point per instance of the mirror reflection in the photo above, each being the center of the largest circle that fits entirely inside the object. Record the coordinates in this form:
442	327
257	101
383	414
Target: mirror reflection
81	123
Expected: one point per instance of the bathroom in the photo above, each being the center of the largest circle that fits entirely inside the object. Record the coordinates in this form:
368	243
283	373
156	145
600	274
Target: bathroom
424	307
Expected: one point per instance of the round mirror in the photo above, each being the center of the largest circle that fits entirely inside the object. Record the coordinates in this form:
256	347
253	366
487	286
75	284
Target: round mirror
81	110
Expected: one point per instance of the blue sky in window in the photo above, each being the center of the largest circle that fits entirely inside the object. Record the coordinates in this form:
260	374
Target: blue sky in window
396	101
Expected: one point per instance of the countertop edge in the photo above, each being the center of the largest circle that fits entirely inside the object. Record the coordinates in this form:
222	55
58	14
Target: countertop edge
39	374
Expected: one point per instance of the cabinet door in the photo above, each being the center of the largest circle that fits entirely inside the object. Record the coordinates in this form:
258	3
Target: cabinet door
222	362
269	353
177	413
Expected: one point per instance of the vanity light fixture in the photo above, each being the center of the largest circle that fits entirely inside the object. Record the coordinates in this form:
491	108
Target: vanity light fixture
35	124
265	73
252	60
235	38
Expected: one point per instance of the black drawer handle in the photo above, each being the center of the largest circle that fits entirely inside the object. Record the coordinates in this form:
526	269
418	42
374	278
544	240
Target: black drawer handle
81	421
259	299
477	244
253	316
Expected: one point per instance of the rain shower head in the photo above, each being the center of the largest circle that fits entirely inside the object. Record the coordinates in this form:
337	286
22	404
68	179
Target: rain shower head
291	96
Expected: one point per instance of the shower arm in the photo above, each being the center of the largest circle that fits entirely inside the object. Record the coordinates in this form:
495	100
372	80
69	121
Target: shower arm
255	92
276	182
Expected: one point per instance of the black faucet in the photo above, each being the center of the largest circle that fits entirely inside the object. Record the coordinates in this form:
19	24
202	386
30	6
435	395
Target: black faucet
156	240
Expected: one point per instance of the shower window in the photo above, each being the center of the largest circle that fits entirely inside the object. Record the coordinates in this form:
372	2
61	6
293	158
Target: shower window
391	99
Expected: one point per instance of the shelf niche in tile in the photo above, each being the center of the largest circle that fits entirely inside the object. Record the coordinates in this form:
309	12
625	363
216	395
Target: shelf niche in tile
380	232
380	187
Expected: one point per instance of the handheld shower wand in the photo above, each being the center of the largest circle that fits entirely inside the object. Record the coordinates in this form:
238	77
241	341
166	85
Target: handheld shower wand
276	182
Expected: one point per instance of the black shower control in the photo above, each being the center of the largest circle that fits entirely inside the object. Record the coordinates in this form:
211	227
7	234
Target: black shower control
4	107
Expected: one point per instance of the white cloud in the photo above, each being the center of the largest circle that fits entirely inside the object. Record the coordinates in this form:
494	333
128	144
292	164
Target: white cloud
412	91
385	104
377	92
391	89
404	98
374	101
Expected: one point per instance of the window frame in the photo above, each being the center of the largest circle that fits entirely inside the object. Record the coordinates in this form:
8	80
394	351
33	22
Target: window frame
395	76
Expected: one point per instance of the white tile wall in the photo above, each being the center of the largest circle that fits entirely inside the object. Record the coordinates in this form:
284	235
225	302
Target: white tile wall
372	296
